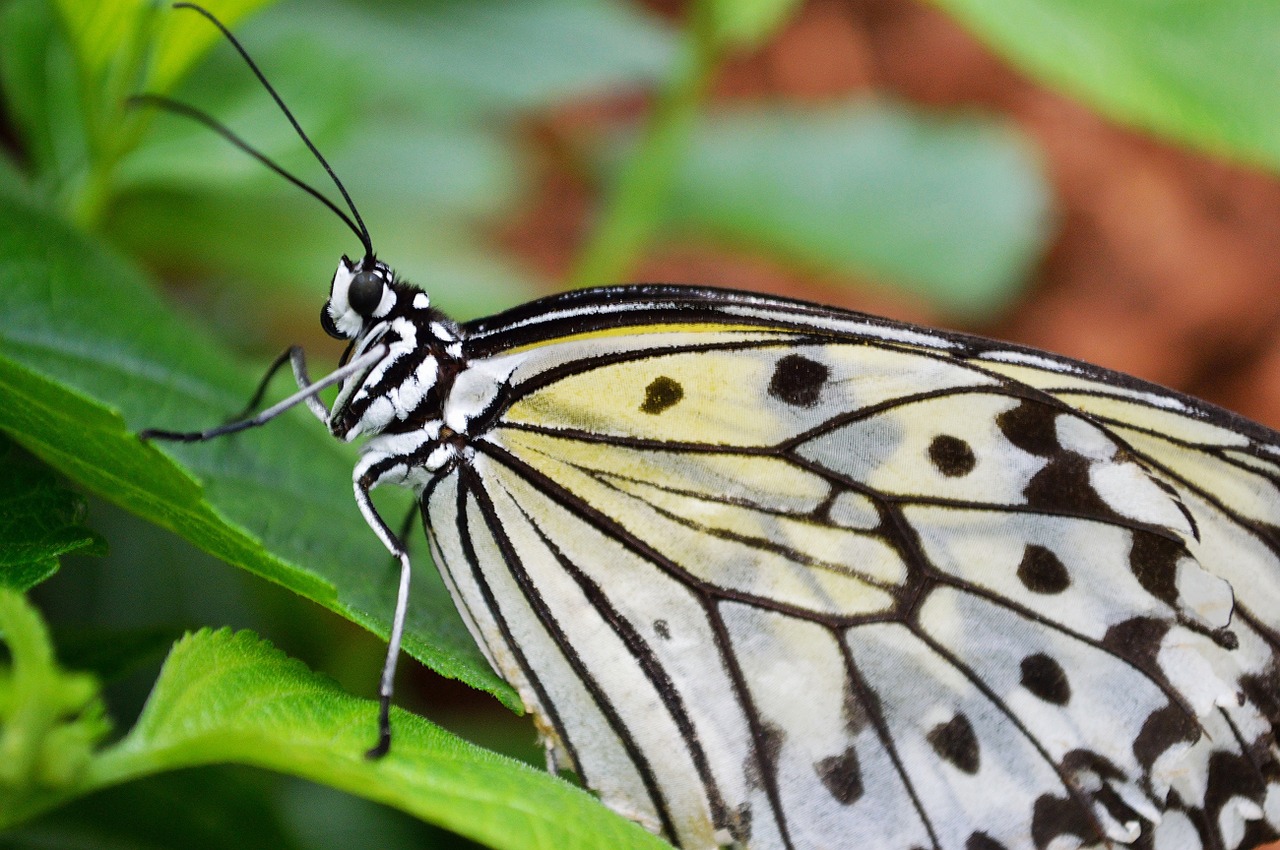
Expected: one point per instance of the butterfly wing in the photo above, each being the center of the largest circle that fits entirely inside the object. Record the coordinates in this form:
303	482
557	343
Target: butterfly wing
782	576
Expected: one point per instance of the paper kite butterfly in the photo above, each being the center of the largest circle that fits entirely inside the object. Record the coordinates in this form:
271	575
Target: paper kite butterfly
774	575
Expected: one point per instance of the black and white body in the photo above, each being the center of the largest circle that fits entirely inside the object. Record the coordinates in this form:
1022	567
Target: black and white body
777	576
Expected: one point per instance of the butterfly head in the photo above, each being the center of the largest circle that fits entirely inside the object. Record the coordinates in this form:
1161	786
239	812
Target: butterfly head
375	311
362	292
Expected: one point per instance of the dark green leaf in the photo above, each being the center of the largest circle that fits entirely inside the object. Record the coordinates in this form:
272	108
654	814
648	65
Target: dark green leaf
109	655
89	355
41	94
39	522
210	809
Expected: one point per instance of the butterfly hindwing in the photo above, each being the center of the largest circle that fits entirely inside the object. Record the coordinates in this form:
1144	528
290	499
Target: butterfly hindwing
785	577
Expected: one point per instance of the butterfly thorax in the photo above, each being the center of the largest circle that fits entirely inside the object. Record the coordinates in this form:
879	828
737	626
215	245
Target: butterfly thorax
398	402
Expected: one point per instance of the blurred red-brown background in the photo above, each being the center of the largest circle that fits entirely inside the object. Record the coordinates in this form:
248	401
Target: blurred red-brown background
1164	263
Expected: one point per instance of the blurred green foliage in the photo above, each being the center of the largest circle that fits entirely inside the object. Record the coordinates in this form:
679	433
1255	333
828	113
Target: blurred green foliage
419	107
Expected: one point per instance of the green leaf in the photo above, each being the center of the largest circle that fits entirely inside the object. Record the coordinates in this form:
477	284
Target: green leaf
50	720
1203	72
184	36
88	355
41	93
40	521
954	209
743	23
428	152
225	697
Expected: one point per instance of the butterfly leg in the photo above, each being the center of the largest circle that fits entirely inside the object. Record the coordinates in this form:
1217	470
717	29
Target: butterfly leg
367	476
296	358
306	394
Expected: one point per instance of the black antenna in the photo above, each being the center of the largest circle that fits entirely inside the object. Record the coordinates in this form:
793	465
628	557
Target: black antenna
358	227
212	123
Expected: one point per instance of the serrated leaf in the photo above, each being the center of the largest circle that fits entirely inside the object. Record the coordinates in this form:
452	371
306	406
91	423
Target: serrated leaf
1199	71
225	697
952	208
89	355
40	521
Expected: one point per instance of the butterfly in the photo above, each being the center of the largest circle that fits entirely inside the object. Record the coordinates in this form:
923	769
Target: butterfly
769	574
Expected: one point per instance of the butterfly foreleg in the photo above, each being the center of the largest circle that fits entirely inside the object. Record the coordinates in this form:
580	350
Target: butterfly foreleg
297	359
306	393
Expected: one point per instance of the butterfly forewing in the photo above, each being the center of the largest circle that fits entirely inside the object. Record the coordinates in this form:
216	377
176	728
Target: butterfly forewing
777	576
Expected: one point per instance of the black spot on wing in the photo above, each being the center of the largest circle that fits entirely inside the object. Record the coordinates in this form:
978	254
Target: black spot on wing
982	841
955	742
661	394
1257	833
1163	729
1041	571
1154	562
1263	690
798	381
1031	427
1045	678
951	456
855	713
1063	486
842	776
662	629
1231	774
1054	816
1137	640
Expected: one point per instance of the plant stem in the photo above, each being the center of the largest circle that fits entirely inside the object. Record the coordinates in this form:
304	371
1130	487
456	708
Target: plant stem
634	207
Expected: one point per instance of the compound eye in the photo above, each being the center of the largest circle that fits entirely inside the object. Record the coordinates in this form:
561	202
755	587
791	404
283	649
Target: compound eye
365	293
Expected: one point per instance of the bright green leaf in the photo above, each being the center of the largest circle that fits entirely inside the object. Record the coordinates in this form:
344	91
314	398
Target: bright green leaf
106	37
225	697
954	209
183	36
744	23
1200	71
88	355
50	720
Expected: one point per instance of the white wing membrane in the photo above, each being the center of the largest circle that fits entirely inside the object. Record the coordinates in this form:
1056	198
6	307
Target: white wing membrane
832	583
